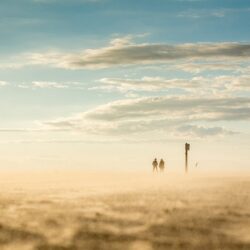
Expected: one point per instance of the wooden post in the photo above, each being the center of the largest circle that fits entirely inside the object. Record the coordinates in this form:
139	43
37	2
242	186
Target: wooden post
187	147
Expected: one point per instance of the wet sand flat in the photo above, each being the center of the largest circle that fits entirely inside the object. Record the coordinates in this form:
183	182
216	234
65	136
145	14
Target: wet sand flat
124	211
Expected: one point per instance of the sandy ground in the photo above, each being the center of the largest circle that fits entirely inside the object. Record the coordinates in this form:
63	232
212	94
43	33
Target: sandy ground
66	211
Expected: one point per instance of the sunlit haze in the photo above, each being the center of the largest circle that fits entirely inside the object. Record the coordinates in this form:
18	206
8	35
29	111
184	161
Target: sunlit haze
112	84
124	124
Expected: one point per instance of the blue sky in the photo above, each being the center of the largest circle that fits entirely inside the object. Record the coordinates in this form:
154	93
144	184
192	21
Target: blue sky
28	24
122	72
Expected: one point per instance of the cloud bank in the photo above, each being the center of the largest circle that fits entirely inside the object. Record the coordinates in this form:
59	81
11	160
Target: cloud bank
170	115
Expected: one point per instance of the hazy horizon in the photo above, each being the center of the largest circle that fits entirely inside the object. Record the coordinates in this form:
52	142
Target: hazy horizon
91	92
99	84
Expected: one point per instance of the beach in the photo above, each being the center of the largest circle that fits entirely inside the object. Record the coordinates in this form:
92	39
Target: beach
132	211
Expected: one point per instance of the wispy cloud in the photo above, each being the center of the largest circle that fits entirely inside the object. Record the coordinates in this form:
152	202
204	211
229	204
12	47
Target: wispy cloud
210	109
123	52
206	13
42	85
224	84
197	68
190	0
241	82
202	131
3	83
66	1
127	54
51	85
148	84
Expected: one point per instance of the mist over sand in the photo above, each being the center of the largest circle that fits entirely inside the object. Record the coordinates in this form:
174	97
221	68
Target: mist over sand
70	210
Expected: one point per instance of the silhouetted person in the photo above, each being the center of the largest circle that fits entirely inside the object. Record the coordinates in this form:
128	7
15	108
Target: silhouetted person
155	165
162	165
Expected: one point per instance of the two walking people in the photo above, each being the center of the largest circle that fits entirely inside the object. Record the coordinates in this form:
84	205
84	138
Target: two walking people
161	165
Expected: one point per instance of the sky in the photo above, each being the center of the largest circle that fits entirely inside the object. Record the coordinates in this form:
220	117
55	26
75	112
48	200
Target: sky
97	84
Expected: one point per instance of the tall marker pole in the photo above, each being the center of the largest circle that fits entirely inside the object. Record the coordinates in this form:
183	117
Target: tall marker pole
187	148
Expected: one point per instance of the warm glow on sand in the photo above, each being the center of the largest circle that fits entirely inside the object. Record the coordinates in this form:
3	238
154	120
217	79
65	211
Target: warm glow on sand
129	210
124	125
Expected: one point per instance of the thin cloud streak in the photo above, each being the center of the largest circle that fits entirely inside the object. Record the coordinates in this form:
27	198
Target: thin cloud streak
51	85
197	68
214	13
66	1
150	83
223	85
